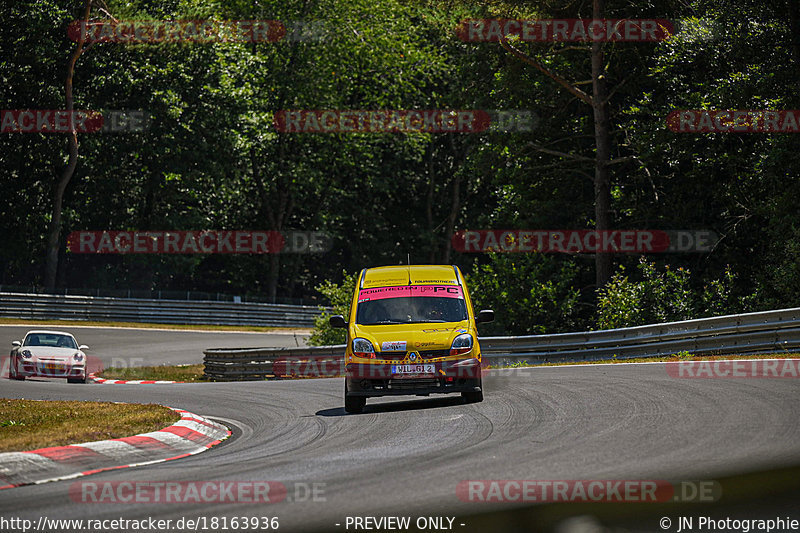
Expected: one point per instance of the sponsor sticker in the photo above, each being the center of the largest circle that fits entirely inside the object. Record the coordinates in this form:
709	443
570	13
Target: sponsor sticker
393	346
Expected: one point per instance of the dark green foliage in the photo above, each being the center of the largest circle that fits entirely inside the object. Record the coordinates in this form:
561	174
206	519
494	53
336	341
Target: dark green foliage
340	296
662	296
540	299
211	158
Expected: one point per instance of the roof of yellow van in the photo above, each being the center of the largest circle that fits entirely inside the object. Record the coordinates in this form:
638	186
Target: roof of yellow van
389	276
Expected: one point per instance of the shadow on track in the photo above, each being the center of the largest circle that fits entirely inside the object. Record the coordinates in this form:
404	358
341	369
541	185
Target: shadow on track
390	407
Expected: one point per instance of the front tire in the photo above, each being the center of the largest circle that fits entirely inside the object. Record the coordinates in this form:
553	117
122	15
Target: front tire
12	372
353	404
474	396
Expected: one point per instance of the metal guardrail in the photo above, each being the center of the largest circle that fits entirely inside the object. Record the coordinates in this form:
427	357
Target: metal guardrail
59	307
239	364
764	332
157	294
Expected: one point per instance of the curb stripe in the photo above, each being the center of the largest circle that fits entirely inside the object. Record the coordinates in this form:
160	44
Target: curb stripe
104	381
110	448
188	434
68	454
185	438
144	443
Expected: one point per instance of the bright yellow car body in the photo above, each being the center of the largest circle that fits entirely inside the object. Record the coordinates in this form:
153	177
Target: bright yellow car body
411	330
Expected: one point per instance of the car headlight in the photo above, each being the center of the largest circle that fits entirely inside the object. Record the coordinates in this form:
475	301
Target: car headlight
26	354
363	348
78	356
461	344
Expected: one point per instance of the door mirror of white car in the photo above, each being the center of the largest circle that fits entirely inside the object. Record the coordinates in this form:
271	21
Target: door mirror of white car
83	347
16	344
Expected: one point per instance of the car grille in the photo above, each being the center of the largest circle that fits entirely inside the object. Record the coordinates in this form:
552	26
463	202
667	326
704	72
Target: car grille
391	356
424	354
413	384
431	354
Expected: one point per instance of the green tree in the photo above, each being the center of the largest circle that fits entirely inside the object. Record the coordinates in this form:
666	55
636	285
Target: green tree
663	296
340	296
529	293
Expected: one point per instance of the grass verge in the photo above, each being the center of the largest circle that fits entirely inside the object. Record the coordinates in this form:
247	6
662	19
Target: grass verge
187	373
29	424
144	325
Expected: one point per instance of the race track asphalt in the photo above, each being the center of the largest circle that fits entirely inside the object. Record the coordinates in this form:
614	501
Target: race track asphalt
406	456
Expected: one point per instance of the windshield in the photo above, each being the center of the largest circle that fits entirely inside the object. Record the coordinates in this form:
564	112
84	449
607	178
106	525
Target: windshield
49	339
411	304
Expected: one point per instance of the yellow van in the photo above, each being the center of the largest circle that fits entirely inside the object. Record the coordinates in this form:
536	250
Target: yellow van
411	330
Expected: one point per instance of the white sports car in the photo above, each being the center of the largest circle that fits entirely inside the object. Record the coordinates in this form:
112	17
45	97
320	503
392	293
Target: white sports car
50	354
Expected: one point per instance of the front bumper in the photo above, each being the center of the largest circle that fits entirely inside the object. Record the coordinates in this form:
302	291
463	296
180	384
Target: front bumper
49	369
377	379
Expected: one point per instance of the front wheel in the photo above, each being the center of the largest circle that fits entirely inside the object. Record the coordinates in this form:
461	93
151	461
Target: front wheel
12	372
353	404
474	396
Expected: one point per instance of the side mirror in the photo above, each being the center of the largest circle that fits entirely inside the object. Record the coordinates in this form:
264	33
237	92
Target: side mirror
16	344
337	321
83	347
485	315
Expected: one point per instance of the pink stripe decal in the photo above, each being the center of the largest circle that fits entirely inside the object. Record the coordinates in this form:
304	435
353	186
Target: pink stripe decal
404	291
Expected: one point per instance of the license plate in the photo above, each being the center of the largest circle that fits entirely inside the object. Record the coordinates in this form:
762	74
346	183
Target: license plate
414	369
53	367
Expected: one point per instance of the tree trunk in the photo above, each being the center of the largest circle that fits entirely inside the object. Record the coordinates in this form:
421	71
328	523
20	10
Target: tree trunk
451	218
54	231
602	182
794	27
429	198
